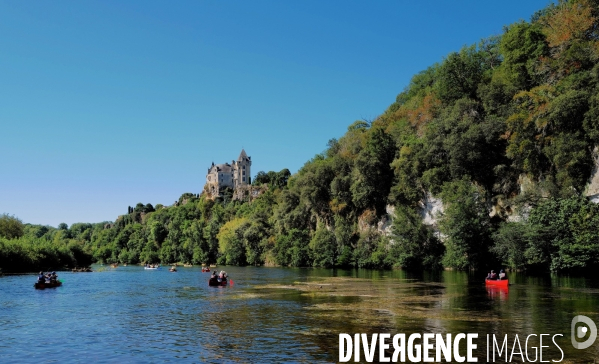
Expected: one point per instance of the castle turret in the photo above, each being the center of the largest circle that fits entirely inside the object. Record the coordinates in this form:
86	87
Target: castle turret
243	168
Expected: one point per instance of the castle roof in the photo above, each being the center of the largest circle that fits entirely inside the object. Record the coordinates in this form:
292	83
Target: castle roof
225	167
242	155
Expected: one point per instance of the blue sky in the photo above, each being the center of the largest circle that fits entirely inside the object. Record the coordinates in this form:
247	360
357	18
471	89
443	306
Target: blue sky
104	104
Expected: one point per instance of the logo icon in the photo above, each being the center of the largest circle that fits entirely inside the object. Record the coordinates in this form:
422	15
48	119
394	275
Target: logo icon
580	331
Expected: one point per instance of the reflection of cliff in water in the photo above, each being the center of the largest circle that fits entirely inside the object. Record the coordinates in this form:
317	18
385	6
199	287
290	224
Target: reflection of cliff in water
446	302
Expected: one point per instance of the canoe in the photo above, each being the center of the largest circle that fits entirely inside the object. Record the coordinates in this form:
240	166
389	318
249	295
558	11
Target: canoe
151	268
205	269
39	285
495	282
172	270
215	283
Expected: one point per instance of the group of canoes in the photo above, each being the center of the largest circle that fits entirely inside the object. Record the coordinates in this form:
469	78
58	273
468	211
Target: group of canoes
50	280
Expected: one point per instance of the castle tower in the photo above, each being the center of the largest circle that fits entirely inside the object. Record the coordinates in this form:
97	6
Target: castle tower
242	171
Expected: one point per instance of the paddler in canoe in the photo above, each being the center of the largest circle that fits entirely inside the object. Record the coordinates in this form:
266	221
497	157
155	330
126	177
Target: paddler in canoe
220	280
493	279
41	278
493	276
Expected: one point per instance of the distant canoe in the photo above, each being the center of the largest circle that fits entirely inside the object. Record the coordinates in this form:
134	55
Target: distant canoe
39	285
205	269
151	268
188	265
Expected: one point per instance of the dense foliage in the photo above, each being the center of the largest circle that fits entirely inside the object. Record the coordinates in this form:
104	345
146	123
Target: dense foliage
502	132
44	248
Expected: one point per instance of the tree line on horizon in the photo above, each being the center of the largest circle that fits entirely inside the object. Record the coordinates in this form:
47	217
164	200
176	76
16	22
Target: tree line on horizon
503	132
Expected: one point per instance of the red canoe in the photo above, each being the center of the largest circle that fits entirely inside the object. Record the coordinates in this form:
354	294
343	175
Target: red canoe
495	282
39	285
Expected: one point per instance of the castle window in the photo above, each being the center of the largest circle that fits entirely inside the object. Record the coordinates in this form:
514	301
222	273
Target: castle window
243	167
243	179
208	178
244	173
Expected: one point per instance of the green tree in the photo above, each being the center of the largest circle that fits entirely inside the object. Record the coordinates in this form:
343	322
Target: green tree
11	227
522	46
323	248
466	225
231	242
373	175
413	244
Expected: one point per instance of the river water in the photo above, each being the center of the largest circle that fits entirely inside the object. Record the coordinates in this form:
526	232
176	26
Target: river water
275	315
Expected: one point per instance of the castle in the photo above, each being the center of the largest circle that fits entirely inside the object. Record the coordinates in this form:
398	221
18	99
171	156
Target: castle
232	175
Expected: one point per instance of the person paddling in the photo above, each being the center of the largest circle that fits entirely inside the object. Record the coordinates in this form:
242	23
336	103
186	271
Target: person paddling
502	275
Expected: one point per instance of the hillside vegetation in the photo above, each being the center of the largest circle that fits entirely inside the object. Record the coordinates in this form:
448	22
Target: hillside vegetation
503	132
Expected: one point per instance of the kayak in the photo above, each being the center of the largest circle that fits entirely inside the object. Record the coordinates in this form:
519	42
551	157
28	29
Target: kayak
213	282
205	270
39	285
495	282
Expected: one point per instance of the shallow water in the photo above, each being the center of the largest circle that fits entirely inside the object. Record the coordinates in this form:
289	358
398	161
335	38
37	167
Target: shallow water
129	314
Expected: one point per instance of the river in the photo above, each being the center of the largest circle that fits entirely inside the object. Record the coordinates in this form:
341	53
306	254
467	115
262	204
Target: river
128	314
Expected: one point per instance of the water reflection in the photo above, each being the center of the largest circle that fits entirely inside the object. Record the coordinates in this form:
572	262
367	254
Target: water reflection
498	293
273	314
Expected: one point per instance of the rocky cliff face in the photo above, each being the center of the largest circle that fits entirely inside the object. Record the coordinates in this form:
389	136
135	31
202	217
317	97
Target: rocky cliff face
383	226
249	192
431	208
592	190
